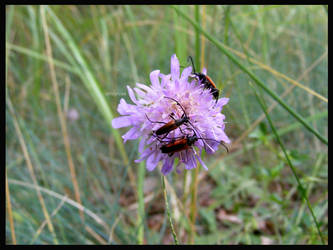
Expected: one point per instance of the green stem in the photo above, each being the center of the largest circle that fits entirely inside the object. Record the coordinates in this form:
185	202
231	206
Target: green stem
168	211
180	36
309	189
195	173
300	186
193	203
141	205
197	38
93	86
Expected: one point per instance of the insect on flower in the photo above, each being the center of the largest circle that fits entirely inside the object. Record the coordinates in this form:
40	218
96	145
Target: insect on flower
207	81
174	124
184	143
175	100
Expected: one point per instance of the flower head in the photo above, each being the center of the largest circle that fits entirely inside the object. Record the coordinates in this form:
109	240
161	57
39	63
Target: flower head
172	97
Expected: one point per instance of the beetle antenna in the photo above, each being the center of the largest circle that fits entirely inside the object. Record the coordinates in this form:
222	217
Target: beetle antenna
190	57
197	132
153	121
177	104
220	142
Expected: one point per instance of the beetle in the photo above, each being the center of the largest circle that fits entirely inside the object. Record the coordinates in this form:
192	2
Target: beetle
174	124
178	145
206	80
183	143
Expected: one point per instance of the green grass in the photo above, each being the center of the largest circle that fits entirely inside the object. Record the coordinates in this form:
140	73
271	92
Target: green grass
249	196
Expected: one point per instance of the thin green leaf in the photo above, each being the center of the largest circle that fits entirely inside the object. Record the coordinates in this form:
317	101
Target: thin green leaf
90	82
141	204
300	187
39	56
221	47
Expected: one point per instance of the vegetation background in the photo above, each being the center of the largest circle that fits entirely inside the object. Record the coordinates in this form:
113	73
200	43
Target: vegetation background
71	180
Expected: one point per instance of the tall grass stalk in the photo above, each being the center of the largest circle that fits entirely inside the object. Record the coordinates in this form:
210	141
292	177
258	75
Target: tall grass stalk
269	69
186	191
37	55
60	112
197	38
138	36
174	235
202	38
141	204
223	49
194	188
41	227
309	189
278	74
284	94
31	169
141	169
61	197
9	20
301	189
180	36
193	210
280	132
37	47
94	89
10	214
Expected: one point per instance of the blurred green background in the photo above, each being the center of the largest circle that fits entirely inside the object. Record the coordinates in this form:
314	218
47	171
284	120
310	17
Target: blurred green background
67	68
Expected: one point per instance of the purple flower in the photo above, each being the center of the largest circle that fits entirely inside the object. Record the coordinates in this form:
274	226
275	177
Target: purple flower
203	111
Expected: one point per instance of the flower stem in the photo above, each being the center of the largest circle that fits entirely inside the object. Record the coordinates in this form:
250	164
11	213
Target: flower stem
193	203
168	211
141	205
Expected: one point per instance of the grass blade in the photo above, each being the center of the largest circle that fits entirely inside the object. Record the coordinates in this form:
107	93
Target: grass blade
36	55
9	21
10	214
141	204
60	112
279	74
222	48
93	87
180	37
67	200
300	186
174	235
31	169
